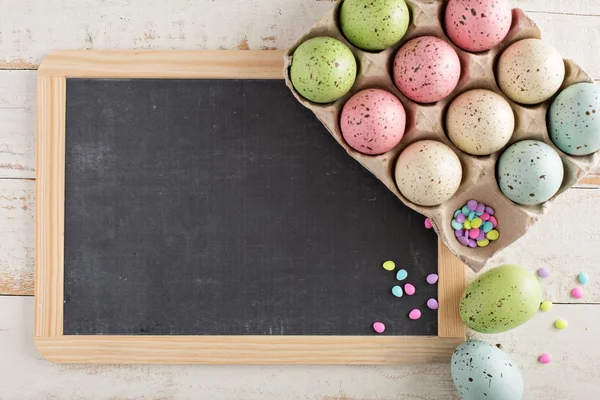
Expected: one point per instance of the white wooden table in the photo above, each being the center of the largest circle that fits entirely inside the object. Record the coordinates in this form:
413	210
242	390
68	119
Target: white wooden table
567	241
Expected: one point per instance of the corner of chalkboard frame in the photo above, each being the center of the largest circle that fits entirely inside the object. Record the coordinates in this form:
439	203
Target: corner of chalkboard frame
49	253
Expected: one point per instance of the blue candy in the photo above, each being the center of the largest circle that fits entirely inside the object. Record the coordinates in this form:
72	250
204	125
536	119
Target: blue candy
456	225
583	278
397	291
487	226
465	210
471	215
401	275
456	213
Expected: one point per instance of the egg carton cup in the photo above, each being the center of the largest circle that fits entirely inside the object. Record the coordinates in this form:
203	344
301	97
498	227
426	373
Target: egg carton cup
427	122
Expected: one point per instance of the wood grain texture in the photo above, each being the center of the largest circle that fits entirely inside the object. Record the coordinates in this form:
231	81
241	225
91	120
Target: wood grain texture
574	371
247	349
215	64
16	236
452	282
50	206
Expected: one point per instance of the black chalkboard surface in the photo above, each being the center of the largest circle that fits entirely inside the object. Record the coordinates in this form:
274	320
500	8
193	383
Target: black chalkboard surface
223	207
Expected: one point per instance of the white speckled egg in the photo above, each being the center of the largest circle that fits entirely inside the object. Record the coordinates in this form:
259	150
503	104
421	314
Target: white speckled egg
373	121
482	371
480	122
530	71
426	69
428	173
574	119
530	172
477	25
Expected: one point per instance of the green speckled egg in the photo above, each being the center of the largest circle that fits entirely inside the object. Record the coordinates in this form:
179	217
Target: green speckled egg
482	371
374	25
500	299
530	172
574	119
323	69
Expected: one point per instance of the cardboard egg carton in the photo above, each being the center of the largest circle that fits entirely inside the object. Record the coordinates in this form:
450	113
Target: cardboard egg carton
427	122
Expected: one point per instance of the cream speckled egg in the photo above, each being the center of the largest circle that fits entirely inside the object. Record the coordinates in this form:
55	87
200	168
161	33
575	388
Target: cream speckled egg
480	122
530	172
426	69
477	25
530	71
373	121
428	173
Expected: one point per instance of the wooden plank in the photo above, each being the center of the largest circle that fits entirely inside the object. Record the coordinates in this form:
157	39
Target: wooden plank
50	206
216	64
574	371
452	282
16	236
247	349
17	130
30	30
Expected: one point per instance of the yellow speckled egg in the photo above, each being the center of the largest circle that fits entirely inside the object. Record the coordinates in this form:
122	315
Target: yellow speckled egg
480	122
530	71
428	173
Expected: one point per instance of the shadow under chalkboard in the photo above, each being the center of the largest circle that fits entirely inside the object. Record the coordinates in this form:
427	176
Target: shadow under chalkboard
223	207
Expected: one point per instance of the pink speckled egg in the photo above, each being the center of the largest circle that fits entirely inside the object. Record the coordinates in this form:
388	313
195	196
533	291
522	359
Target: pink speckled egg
477	25
426	69
373	121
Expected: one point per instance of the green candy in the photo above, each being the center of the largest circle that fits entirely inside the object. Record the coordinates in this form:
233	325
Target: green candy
323	69
374	25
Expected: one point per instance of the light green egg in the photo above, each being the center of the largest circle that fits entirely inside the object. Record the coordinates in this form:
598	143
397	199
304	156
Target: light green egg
374	25
574	119
323	69
530	172
482	371
500	299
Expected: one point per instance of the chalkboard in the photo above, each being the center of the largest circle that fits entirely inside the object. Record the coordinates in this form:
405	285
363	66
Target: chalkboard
223	207
189	210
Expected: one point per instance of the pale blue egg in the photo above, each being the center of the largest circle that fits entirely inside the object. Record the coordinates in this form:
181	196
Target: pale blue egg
397	291
482	371
530	172
574	119
401	274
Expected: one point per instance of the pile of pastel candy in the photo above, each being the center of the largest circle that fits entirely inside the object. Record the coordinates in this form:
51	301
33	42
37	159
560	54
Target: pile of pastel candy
475	225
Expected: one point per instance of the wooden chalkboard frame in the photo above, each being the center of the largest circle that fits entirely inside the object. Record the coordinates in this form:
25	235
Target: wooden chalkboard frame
50	218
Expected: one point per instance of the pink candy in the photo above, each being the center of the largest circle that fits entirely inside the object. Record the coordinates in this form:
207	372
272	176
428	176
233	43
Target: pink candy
577	293
379	327
415	314
494	221
474	233
546	358
428	224
485	216
409	289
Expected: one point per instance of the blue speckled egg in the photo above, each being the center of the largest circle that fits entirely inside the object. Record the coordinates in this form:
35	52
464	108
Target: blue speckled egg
574	119
530	172
482	371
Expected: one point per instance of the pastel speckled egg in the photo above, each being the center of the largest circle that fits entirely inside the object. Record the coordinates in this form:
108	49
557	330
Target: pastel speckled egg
574	119
323	69
426	69
482	371
500	299
373	121
530	71
530	172
428	173
480	122
374	25
477	25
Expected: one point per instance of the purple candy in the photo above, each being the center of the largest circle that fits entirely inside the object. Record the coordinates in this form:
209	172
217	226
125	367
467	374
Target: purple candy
472	205
480	207
466	234
463	240
472	243
459	232
489	210
460	218
543	272
481	235
432	304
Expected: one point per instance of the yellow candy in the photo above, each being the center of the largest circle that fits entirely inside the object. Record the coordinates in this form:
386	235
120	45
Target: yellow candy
561	324
483	243
546	305
467	225
389	265
476	223
493	235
